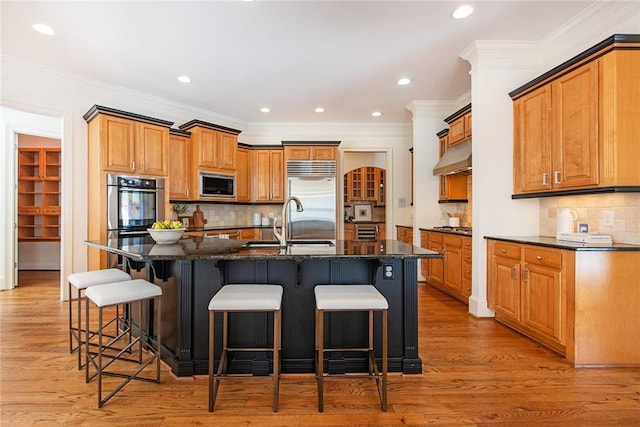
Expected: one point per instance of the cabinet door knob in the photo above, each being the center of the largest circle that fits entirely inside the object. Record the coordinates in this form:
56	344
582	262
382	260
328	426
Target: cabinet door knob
504	251
538	257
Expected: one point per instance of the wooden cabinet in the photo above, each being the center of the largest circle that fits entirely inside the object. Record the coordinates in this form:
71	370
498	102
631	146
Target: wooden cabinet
459	126
453	188
244	175
404	234
214	149
528	290
310	152
382	231
453	274
555	140
365	184
575	129
435	267
179	182
268	175
132	147
125	143
39	194
349	231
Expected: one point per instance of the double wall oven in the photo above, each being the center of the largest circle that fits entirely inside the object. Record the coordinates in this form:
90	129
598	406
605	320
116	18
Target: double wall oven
133	205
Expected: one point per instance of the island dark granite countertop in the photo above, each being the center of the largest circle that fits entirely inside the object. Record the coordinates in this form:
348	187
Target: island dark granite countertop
144	248
552	242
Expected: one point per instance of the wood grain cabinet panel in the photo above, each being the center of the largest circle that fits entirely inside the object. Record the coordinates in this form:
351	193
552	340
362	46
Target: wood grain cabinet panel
528	290
576	129
268	175
133	147
179	165
453	274
244	175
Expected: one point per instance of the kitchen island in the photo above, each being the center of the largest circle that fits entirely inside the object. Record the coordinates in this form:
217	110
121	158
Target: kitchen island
193	270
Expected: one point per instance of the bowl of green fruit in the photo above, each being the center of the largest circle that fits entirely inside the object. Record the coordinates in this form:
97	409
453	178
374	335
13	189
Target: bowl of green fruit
166	232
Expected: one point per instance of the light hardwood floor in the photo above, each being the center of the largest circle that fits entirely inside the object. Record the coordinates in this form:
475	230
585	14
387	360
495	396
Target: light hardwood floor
475	372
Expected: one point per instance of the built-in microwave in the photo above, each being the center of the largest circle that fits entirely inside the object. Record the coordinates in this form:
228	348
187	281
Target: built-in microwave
217	185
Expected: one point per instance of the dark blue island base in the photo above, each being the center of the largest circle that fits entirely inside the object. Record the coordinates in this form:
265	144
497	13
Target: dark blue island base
188	283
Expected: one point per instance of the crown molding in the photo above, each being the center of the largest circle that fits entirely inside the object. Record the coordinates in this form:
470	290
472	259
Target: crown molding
498	54
431	108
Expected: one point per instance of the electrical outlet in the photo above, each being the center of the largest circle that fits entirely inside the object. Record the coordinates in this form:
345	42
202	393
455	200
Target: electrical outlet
387	271
608	219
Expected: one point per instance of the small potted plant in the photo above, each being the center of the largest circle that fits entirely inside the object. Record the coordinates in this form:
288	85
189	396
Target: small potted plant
178	209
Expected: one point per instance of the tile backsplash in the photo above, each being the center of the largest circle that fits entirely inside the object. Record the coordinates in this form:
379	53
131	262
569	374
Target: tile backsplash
225	215
591	208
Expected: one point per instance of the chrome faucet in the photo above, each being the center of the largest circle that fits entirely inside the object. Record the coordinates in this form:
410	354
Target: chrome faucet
282	235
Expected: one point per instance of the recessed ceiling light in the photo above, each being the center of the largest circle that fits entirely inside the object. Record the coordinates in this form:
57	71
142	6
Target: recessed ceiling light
462	12
376	114
264	110
319	110
44	29
404	81
184	79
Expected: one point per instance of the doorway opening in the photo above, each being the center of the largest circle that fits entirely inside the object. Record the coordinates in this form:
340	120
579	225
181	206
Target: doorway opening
366	194
38	196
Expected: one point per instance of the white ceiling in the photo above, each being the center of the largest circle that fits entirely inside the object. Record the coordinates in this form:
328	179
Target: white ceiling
290	56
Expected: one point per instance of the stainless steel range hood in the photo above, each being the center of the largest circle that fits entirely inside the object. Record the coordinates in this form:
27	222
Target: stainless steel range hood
456	159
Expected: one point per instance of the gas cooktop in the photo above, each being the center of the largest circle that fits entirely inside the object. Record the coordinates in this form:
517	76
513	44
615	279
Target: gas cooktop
462	230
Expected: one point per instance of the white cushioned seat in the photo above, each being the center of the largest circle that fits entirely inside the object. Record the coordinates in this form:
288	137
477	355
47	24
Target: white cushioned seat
97	277
114	294
243	298
349	297
345	298
238	297
122	292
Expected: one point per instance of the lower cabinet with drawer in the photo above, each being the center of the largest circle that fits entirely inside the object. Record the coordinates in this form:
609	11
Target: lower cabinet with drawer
527	289
453	274
579	300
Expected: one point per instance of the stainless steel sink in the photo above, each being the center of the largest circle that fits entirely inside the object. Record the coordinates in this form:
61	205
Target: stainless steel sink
276	244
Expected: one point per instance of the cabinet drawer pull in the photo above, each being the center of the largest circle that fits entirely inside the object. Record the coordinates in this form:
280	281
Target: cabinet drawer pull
504	251
556	177
538	257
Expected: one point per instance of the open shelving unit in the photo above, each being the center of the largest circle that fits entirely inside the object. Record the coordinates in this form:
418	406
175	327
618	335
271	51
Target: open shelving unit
39	194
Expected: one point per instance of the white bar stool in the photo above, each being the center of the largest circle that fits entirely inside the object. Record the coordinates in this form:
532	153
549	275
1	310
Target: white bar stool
82	281
351	298
244	298
111	294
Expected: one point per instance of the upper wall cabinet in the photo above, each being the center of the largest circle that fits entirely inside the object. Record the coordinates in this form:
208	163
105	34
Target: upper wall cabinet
459	126
310	152
213	147
576	127
268	175
179	165
129	143
243	174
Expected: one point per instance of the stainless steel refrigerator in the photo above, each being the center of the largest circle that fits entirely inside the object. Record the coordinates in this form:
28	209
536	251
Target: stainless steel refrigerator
318	196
